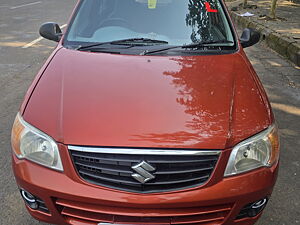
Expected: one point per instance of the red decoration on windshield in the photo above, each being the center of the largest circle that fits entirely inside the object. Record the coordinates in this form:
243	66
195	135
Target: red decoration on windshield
209	9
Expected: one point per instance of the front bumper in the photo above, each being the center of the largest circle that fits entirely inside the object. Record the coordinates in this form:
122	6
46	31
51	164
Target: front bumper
71	200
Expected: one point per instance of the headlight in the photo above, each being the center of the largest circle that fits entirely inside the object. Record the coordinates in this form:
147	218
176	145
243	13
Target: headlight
261	150
32	144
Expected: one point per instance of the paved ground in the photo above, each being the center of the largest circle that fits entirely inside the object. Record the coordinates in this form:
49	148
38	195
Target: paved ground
18	66
281	34
287	12
19	25
282	83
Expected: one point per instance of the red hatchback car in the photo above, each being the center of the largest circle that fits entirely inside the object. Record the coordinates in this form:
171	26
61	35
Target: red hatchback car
147	112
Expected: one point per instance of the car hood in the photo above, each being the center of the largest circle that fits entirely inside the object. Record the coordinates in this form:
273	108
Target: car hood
96	99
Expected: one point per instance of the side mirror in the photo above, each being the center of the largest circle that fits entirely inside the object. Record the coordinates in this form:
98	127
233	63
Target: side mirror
51	31
249	37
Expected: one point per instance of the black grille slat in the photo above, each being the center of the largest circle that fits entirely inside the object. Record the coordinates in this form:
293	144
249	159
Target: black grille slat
182	161
119	169
40	201
105	159
177	181
172	172
104	177
44	209
184	171
41	205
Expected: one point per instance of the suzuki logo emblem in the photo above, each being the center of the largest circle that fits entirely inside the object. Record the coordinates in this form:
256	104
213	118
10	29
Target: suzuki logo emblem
143	170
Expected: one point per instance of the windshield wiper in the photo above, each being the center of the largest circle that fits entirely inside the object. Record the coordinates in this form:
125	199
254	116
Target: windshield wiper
193	45
206	43
129	41
148	52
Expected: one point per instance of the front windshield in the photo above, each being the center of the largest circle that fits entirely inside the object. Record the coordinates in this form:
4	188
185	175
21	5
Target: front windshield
178	22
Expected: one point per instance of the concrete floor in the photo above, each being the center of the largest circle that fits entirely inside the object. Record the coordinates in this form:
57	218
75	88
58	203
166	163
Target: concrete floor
19	24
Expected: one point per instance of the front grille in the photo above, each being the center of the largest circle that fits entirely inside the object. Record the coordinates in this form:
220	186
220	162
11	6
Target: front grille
172	172
76	212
